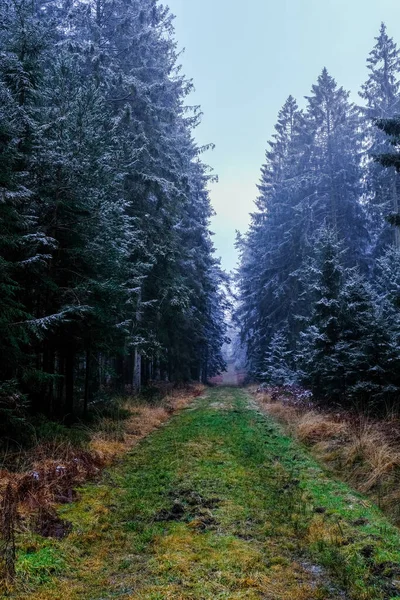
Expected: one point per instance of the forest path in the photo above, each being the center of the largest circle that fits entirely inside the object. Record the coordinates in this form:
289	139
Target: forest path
217	504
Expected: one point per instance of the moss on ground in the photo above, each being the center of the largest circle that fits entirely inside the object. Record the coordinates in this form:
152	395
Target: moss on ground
217	504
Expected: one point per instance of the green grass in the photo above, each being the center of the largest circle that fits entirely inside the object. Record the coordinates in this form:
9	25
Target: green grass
217	504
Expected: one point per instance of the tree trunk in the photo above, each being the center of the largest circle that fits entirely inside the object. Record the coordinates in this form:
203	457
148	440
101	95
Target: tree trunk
119	372
137	371
395	206
69	383
205	367
87	383
157	368
48	367
60	385
137	376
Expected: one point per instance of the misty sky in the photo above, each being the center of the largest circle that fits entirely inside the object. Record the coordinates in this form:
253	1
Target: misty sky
246	57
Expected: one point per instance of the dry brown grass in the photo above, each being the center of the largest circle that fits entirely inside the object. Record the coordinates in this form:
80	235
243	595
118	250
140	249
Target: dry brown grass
374	458
109	441
364	452
52	470
314	427
283	412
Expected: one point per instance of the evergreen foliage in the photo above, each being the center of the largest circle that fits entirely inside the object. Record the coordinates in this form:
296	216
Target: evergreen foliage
107	268
278	361
381	94
318	351
318	275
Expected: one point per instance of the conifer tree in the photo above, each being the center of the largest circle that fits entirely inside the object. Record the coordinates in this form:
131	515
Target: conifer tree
348	354
312	177
278	361
334	164
381	90
381	93
266	279
24	248
109	270
321	369
365	348
305	303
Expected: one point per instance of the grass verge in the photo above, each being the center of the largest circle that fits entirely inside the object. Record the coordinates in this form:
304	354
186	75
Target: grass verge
361	450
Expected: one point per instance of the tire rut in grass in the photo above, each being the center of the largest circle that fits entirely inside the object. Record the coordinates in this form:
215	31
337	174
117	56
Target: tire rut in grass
189	506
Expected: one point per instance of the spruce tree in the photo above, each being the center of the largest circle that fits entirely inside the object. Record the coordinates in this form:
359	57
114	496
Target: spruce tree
321	368
267	280
381	94
348	354
334	165
365	349
109	270
24	248
278	361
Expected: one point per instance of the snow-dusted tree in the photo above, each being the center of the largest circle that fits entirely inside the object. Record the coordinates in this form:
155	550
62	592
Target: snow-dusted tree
312	177
334	165
381	90
366	348
278	361
13	221
164	182
318	193
107	209
266	278
318	359
24	249
80	205
388	280
381	94
348	355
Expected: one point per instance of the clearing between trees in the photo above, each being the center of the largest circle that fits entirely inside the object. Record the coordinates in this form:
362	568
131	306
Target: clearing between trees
218	503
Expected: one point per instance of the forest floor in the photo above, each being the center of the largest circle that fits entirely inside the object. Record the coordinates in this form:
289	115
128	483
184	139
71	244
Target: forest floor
218	503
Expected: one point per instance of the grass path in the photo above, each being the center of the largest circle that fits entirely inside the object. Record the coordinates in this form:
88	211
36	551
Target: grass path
217	504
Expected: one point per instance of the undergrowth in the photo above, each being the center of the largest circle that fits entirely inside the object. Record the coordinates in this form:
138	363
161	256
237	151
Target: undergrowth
364	451
36	479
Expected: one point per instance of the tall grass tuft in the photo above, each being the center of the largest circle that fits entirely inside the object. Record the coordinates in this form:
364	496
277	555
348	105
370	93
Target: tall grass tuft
362	450
8	518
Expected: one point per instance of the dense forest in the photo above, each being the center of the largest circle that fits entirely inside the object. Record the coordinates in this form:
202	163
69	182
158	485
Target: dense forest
319	276
108	278
107	269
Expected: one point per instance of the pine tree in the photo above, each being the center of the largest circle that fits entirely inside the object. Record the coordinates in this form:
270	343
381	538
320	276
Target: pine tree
109	269
334	165
321	369
381	93
278	361
266	279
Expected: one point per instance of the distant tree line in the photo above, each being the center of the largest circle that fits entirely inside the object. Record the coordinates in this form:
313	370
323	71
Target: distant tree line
319	278
107	272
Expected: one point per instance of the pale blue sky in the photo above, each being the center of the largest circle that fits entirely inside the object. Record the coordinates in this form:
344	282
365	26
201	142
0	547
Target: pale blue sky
246	57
